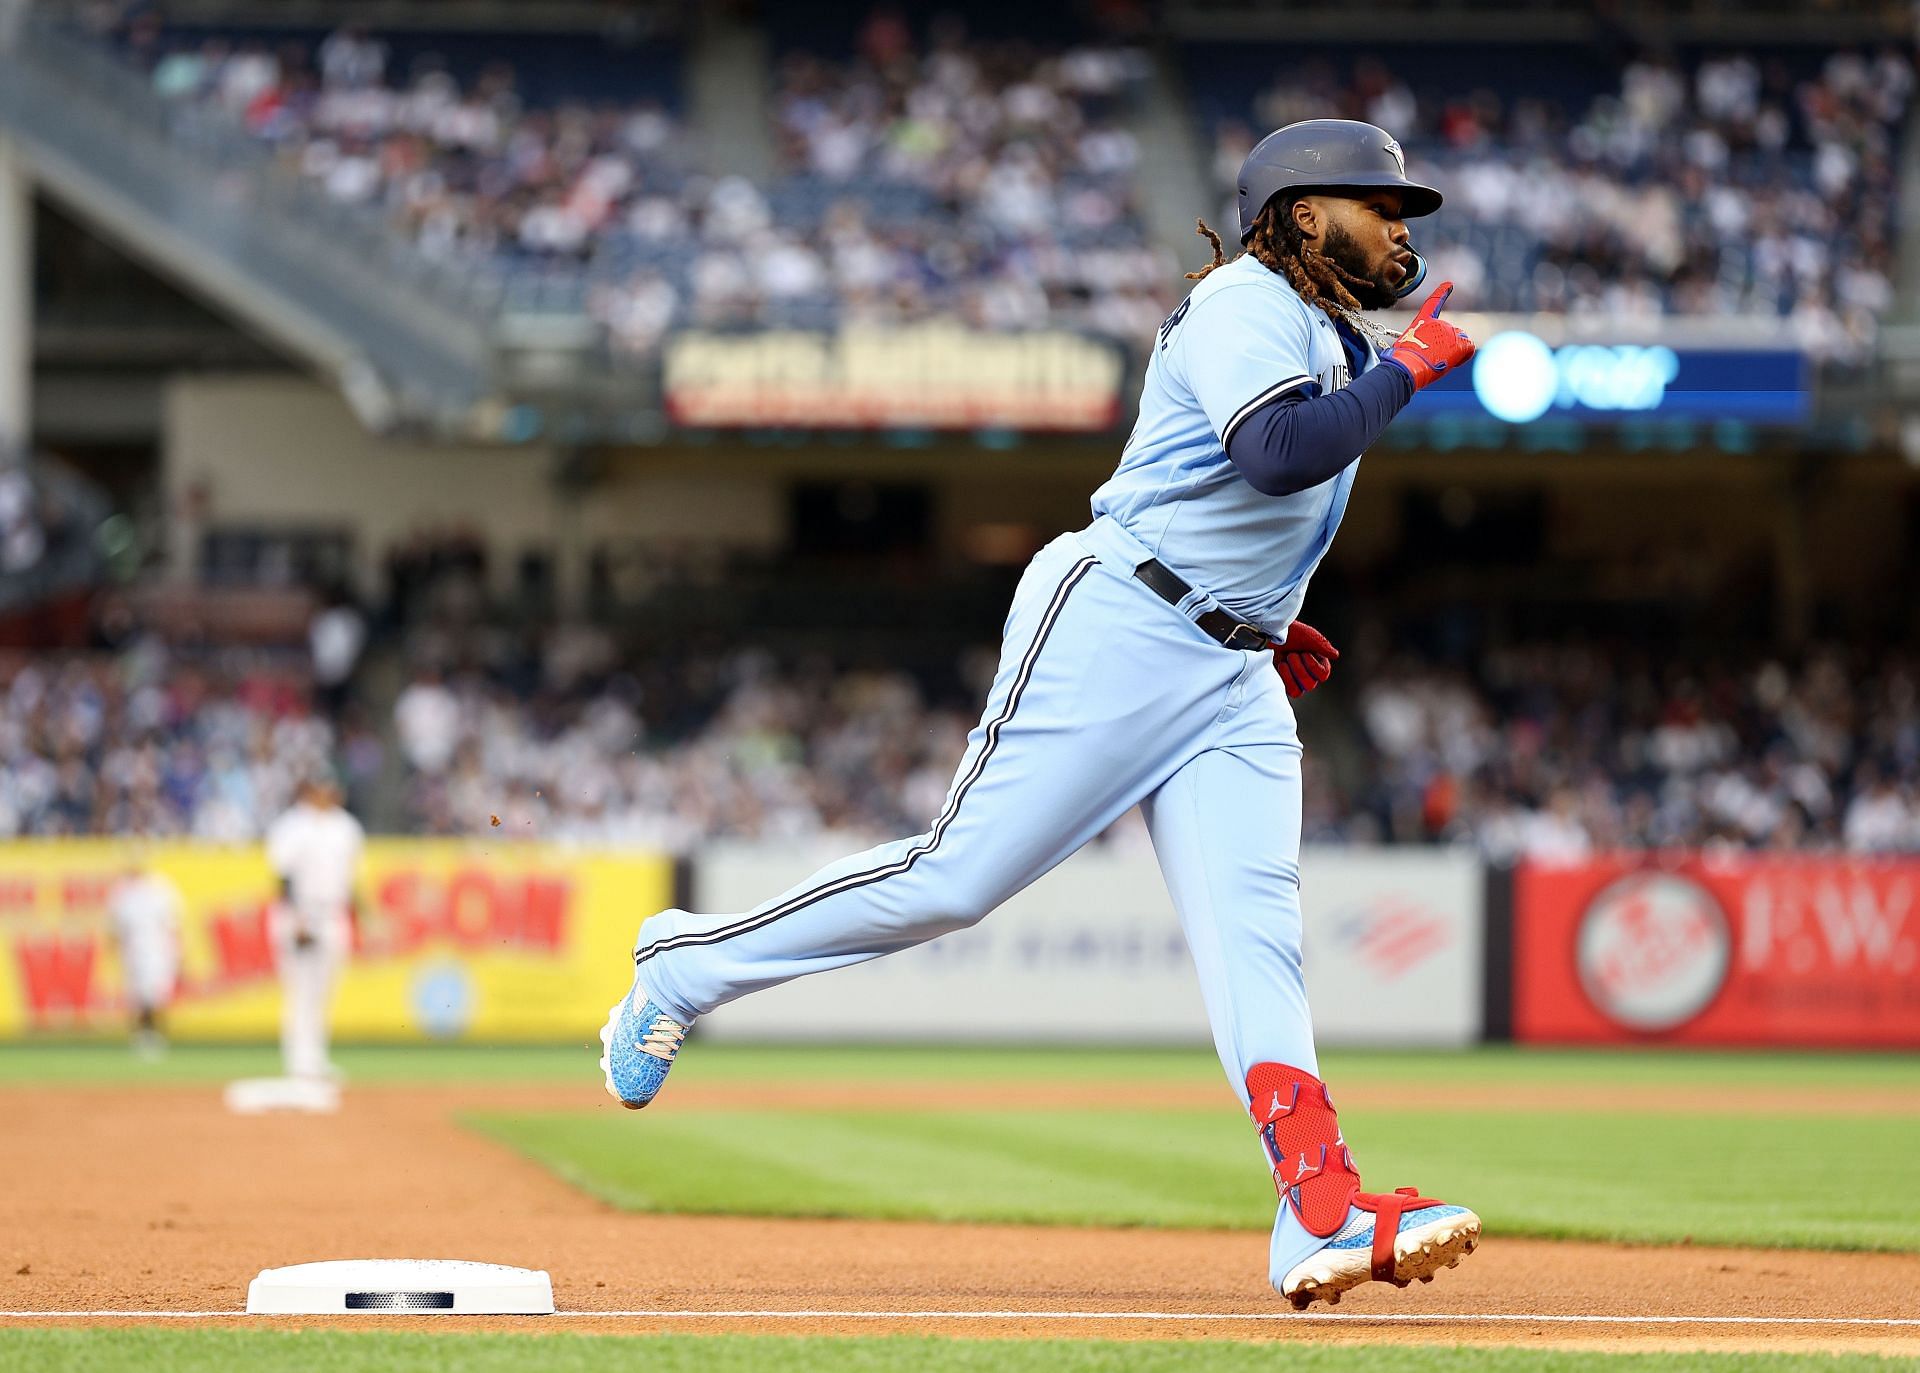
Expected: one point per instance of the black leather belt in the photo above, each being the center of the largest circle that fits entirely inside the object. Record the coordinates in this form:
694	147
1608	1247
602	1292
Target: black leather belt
1219	625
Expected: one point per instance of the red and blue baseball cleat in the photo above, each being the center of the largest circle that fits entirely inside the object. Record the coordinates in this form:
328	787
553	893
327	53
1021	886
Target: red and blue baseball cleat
1331	1236
1393	1245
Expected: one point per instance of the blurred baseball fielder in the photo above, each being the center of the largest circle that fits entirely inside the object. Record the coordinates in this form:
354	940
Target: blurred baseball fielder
1138	668
145	909
315	848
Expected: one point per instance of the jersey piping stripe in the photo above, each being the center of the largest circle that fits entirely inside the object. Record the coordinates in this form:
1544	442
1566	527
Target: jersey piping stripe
860	879
1272	392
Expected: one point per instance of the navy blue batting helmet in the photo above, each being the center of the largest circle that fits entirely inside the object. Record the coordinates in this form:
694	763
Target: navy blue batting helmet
1331	155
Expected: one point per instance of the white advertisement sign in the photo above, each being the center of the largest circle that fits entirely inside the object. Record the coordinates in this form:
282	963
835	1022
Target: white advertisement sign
1093	952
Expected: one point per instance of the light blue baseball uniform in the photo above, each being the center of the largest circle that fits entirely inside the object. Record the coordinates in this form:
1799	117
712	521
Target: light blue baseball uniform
1240	340
1109	697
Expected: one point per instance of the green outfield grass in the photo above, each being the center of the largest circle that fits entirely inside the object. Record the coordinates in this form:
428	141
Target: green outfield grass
147	1350
1657	1177
111	1062
1711	1179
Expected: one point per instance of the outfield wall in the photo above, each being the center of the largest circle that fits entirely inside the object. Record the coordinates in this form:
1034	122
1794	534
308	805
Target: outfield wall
1094	951
515	941
501	942
1699	949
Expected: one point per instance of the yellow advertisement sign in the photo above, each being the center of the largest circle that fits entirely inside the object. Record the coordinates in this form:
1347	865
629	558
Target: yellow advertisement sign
452	940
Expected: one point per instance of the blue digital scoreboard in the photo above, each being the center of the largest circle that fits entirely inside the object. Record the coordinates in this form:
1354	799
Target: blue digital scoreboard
1517	378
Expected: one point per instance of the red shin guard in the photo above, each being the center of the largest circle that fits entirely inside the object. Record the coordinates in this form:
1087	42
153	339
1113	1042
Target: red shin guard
1313	1169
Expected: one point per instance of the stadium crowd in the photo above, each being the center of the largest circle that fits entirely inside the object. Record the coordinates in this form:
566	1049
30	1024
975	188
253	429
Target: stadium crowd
774	754
994	181
1560	749
986	181
155	742
470	169
1553	750
1550	749
1731	185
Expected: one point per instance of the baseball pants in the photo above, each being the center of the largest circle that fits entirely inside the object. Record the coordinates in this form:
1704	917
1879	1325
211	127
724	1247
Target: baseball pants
307	978
152	969
1106	697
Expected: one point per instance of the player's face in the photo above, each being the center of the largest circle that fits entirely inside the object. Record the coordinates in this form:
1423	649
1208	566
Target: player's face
1365	235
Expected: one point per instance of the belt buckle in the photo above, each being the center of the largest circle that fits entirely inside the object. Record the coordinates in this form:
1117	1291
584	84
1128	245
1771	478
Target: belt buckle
1245	637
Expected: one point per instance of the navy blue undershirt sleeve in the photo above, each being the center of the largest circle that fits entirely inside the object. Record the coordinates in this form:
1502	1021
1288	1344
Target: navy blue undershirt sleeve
1303	438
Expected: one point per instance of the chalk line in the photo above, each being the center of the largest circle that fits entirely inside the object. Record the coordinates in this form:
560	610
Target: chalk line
1276	1317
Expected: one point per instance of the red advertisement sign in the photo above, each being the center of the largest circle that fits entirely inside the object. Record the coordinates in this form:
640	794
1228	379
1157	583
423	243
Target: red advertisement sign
1746	949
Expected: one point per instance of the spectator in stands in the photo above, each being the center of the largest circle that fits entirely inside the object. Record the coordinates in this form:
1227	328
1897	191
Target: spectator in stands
1880	819
335	638
22	539
427	717
350	60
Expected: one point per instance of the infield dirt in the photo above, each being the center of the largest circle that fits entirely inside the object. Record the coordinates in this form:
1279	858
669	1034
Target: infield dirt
158	1199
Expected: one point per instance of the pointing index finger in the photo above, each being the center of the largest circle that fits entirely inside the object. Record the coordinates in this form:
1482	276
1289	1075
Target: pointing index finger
1437	301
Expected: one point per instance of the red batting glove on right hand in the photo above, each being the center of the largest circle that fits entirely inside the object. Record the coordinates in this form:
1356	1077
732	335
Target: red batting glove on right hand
1431	346
1304	659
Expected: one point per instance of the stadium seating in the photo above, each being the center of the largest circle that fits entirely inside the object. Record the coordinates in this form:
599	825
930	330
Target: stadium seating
1552	749
1714	183
934	171
156	741
988	180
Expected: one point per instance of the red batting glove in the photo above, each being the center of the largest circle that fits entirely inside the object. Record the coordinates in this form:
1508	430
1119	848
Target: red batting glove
1431	346
1304	659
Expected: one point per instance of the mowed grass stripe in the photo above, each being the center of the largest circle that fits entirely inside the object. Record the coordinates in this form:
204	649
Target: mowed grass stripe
149	1350
1711	1179
1721	1179
1062	1157
1014	1168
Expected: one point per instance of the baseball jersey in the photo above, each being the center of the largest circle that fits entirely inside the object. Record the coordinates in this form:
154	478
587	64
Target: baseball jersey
317	852
1241	339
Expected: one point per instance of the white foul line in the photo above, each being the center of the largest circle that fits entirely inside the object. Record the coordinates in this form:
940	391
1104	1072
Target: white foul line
1347	1317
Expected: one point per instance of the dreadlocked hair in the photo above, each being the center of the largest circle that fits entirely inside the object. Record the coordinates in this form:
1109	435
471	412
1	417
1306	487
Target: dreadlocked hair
1277	244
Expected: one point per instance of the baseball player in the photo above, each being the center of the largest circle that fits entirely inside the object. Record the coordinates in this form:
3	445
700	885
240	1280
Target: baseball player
1138	667
145	910
315	848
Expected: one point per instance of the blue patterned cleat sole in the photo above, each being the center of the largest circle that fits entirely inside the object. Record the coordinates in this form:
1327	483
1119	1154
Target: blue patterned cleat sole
1428	1241
637	1048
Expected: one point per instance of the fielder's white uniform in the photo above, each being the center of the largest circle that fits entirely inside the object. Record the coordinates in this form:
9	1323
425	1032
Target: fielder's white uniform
145	909
316	851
